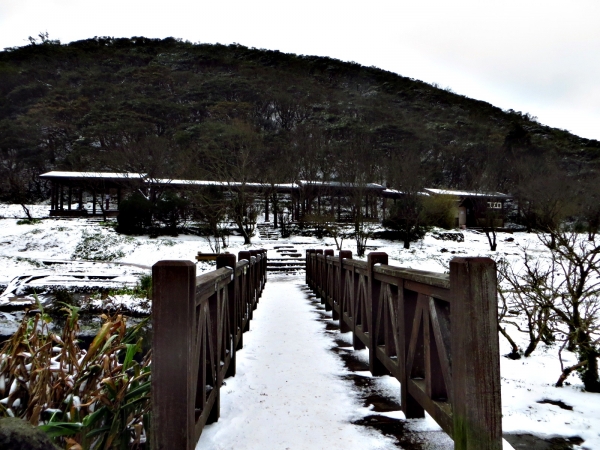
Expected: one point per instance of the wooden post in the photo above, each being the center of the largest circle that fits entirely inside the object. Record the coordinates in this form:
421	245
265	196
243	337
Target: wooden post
173	307
228	260
249	285
62	200
267	209
477	409
52	196
375	366
325	282
347	254
118	197
94	202
80	199
275	210
263	263
317	274
309	275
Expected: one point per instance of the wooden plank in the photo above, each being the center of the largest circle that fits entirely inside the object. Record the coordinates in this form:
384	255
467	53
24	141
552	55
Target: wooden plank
440	411
391	364
362	337
441	335
206	256
420	276
431	291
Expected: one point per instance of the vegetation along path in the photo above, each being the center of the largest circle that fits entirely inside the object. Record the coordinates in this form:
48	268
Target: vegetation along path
291	391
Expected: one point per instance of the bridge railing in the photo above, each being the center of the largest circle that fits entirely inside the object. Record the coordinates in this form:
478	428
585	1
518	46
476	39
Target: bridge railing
436	333
197	326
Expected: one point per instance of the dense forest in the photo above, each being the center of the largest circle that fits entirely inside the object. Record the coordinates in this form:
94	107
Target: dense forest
175	109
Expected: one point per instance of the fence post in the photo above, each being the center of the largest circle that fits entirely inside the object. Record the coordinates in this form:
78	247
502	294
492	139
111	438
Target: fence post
228	260
344	328
244	254
257	274
375	366
264	266
326	293
173	393
317	274
477	409
308	274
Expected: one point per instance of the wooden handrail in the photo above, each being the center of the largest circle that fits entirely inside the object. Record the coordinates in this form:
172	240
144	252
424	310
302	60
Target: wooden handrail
436	333
198	324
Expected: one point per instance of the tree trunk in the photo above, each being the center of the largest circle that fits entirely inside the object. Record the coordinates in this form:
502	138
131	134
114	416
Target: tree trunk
514	353
27	212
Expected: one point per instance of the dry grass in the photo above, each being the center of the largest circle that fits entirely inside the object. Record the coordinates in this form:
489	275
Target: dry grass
96	399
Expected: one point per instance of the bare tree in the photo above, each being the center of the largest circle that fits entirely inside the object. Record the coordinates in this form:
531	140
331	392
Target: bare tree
561	300
525	294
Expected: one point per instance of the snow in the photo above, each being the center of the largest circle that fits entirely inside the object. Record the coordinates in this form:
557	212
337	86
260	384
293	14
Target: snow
93	175
465	193
287	378
525	382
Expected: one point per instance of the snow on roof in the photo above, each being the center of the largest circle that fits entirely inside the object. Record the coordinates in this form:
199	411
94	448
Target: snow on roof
340	184
136	176
93	175
466	193
397	192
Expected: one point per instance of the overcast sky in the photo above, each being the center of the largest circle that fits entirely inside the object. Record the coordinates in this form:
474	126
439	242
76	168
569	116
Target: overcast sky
535	56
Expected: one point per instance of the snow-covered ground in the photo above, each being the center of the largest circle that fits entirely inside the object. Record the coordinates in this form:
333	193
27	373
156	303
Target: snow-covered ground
27	250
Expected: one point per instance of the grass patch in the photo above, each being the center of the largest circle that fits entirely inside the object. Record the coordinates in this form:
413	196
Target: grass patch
98	246
33	262
28	221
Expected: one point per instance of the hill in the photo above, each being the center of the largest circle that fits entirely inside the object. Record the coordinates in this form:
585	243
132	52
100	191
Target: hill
177	109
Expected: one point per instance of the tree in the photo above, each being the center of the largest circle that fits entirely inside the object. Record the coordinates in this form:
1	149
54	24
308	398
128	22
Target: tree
232	153
209	205
561	300
407	212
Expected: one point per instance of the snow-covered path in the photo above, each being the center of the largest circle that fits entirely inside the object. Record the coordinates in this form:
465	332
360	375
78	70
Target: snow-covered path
287	393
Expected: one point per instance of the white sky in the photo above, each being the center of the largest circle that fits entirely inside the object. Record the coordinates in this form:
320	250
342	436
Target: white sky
535	56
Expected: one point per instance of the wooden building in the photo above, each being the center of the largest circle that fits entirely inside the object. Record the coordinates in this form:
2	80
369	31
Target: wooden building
477	209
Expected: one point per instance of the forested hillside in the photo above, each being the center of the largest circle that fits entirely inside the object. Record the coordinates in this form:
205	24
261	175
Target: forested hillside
176	109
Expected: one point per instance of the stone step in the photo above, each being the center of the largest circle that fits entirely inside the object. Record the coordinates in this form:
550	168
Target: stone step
285	264
288	259
284	269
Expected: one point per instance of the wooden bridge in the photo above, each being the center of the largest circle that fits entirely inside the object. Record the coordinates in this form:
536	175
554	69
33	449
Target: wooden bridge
436	333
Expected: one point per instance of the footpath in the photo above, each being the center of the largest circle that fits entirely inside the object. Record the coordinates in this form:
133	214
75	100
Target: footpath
288	392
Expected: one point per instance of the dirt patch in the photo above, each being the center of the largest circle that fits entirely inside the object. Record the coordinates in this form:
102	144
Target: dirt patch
558	403
530	442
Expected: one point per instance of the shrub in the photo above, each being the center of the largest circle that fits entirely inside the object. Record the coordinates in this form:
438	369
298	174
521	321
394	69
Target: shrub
406	217
135	214
440	211
170	210
91	399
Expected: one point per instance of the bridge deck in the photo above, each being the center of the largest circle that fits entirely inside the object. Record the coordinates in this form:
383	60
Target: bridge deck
288	392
